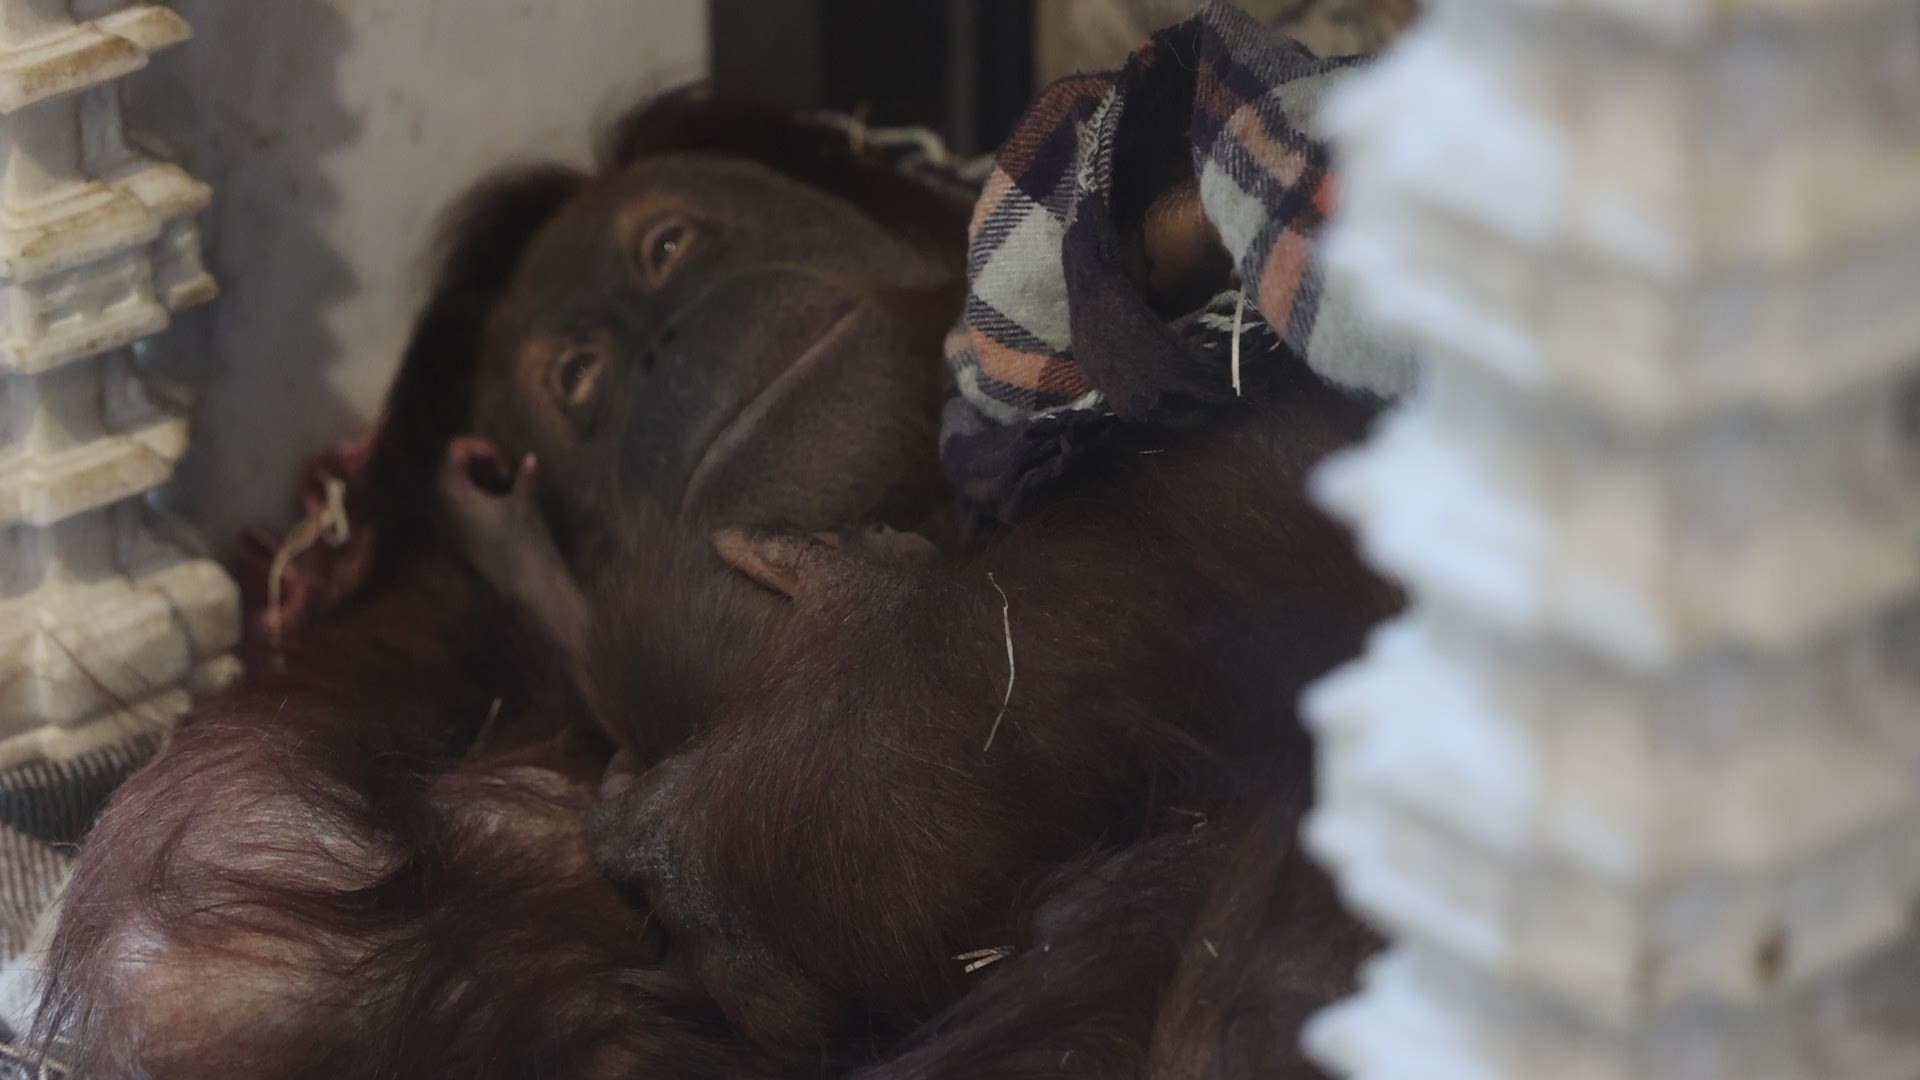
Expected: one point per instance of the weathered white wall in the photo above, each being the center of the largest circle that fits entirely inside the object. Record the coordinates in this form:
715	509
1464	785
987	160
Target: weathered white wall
332	132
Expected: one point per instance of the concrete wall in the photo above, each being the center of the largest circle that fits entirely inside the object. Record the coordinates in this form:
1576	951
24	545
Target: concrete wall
332	132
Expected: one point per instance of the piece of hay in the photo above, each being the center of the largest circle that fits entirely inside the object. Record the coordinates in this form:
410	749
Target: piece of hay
980	958
330	524
485	731
1006	624
1239	323
1199	819
44	1068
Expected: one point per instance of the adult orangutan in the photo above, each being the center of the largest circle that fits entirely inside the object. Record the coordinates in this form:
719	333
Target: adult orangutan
662	544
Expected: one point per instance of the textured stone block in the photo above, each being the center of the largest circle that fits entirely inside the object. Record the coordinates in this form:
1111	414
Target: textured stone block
1635	786
100	607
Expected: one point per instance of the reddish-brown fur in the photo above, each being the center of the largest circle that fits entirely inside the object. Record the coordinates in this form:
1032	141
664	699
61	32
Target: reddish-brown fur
376	870
321	877
1162	619
1194	956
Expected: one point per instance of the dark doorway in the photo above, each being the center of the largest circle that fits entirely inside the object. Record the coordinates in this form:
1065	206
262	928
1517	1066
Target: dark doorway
961	67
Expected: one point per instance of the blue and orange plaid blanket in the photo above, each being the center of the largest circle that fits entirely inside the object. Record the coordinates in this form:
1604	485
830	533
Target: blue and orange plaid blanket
1058	346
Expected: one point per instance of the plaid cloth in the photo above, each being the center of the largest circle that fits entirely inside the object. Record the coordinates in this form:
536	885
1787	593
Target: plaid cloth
1058	348
53	783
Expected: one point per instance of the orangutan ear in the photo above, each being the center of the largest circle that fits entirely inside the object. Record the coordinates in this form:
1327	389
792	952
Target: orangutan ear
778	562
791	564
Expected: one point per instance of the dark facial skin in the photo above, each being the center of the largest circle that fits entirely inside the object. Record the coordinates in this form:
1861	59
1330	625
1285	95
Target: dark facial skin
673	328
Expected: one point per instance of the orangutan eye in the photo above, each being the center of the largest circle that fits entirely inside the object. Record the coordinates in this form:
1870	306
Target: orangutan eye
663	248
575	374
